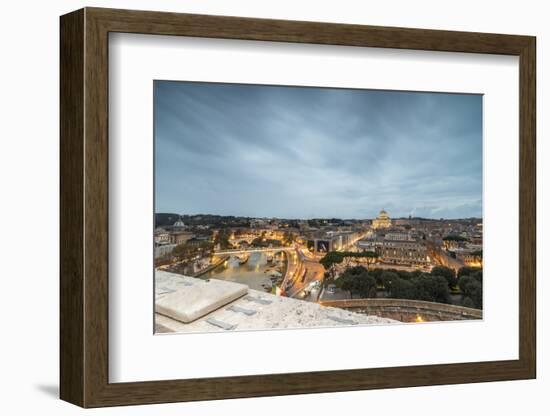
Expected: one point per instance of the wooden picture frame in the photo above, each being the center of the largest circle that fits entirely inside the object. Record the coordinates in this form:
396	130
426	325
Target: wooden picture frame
84	207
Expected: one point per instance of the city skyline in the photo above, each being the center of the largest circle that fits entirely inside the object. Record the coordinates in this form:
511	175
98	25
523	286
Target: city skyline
316	218
302	153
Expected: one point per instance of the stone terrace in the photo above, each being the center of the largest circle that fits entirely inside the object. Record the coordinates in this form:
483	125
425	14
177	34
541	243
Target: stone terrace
241	310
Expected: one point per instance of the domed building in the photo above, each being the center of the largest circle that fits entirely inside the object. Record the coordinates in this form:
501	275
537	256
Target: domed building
179	224
382	221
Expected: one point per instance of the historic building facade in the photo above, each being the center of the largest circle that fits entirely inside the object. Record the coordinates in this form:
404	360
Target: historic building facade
410	253
396	248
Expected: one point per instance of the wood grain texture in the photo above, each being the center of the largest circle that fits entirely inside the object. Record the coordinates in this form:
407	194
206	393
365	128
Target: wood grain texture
71	100
527	208
84	207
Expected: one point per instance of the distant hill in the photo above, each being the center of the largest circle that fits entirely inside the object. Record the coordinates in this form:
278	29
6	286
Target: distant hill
168	219
163	220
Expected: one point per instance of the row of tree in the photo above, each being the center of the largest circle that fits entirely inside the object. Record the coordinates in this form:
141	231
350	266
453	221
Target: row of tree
435	286
337	257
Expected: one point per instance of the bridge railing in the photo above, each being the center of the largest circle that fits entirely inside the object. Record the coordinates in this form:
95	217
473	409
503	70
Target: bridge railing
252	250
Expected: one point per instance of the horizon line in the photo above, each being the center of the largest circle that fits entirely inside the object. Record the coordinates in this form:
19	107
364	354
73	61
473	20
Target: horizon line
321	218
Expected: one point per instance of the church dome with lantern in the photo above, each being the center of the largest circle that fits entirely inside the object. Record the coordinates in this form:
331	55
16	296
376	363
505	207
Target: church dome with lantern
382	221
179	223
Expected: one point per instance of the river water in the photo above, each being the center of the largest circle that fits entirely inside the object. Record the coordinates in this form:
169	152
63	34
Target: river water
254	273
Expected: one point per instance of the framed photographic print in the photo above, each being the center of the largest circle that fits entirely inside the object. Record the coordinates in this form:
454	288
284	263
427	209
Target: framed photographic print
255	207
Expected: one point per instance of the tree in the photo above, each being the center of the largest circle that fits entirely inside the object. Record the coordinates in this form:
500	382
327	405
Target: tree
356	270
463	282
475	292
365	286
403	274
468	302
371	256
332	257
182	251
422	287
400	288
471	289
357	281
337	257
467	271
376	273
447	273
222	238
478	276
327	279
431	288
345	282
387	277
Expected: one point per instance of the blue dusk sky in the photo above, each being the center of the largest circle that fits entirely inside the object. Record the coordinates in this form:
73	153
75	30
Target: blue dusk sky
295	152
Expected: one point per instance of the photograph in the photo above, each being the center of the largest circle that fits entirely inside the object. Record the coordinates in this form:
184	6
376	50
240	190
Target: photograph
231	185
292	207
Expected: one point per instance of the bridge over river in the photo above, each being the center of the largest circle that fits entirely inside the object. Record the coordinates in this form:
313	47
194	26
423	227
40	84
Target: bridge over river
253	250
245	275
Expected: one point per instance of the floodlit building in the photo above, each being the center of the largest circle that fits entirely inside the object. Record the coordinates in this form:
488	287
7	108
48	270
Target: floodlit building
382	221
396	248
470	257
411	253
332	241
181	237
162	236
399	236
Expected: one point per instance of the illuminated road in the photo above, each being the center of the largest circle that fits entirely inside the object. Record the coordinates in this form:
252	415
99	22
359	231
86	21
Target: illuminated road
293	270
440	257
309	271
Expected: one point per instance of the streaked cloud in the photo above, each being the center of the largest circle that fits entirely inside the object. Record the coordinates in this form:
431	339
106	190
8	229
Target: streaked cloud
295	152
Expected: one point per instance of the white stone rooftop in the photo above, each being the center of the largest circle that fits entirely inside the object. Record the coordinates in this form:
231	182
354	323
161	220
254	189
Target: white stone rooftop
187	304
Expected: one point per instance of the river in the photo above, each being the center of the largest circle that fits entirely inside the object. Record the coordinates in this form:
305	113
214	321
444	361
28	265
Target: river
254	273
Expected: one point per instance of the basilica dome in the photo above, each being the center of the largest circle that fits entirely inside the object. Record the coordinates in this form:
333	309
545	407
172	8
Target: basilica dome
382	221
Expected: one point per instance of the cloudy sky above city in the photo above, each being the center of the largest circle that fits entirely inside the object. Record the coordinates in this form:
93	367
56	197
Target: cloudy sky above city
292	152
